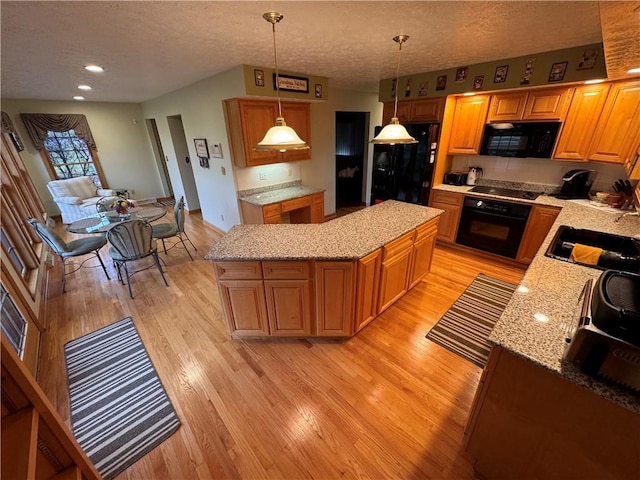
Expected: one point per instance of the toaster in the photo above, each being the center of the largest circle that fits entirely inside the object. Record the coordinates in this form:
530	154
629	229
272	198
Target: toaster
455	178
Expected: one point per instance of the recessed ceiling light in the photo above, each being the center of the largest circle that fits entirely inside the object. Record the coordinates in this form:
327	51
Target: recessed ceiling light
78	97
94	68
84	87
634	70
596	80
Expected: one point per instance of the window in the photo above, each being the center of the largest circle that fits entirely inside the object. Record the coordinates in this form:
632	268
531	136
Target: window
14	326
70	156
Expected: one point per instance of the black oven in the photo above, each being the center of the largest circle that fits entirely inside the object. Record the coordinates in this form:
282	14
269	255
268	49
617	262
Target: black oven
492	226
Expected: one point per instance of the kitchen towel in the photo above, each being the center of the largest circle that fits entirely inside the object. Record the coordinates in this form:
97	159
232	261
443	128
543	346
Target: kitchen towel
585	254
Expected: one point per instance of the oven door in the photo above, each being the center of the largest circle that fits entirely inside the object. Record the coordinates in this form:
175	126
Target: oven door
489	231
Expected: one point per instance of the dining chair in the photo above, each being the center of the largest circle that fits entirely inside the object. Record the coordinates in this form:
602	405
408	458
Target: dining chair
163	231
74	248
130	241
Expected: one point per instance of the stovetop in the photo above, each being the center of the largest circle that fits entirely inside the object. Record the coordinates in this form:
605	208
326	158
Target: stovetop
506	192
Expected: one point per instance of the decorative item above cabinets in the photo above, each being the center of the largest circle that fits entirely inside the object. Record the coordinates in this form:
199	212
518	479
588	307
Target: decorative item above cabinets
543	104
423	110
248	119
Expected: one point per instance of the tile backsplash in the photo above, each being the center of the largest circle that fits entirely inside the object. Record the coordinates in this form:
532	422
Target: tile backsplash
538	170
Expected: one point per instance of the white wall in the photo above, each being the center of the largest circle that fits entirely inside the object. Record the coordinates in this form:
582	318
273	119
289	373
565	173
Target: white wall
538	170
200	108
121	138
256	177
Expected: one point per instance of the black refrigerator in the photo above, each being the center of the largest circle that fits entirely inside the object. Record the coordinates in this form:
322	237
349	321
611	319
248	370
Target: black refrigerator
405	172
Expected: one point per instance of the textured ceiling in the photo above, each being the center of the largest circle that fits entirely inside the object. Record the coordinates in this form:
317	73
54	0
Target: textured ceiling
151	48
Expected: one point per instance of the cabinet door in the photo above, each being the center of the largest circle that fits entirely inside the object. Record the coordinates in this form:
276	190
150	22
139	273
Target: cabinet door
423	251
367	283
334	286
403	114
317	213
620	119
298	117
427	110
256	118
289	307
394	278
633	165
577	130
243	302
506	107
540	221
451	203
468	122
547	104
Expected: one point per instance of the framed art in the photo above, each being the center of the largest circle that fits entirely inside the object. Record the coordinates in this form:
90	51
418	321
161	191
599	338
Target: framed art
204	162
318	90
202	150
461	74
441	82
424	86
258	77
216	151
588	59
557	71
478	82
528	70
501	74
291	83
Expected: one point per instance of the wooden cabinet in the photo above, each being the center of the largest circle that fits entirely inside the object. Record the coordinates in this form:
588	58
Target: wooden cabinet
305	209
540	221
243	302
288	297
367	284
36	443
618	125
422	254
248	121
394	274
468	123
424	110
632	165
580	123
451	203
334	282
541	105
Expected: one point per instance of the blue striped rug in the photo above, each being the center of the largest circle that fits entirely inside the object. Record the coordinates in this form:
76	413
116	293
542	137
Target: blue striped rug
119	409
465	327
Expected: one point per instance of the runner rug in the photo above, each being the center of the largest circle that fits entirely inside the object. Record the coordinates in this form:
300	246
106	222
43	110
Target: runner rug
465	327
119	409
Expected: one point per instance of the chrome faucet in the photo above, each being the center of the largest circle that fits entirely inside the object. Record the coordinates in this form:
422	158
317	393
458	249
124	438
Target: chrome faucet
627	214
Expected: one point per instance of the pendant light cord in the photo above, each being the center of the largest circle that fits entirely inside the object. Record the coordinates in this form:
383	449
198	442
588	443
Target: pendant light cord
395	108
275	55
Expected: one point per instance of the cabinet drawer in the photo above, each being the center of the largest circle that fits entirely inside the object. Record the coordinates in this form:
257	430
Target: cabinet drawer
296	203
271	210
286	270
238	270
427	229
317	198
397	246
451	198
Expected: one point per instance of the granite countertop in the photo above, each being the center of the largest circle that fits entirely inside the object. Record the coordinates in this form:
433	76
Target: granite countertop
277	195
550	290
345	238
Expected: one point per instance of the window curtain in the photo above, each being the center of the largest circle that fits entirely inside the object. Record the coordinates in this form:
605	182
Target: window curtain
38	124
7	124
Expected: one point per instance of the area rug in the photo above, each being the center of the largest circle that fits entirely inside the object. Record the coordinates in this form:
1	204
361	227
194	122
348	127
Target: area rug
119	409
164	203
465	327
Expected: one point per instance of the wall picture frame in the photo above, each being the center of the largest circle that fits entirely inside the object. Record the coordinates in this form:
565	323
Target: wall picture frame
478	82
588	59
318	90
202	149
461	74
501	74
258	77
556	74
441	82
291	83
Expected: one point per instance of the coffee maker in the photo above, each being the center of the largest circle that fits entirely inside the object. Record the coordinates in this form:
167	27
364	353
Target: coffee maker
576	184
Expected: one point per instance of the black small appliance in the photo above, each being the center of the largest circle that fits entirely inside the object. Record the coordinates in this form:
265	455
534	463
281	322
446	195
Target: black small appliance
524	139
455	178
576	184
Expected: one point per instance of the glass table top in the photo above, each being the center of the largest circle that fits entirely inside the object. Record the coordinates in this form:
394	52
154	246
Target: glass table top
103	221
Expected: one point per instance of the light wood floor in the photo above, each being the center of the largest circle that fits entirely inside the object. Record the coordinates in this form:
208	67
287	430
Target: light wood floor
388	403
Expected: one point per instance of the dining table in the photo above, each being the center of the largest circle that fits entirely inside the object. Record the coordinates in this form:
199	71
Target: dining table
102	222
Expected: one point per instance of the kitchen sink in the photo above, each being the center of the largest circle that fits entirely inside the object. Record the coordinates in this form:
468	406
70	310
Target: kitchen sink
619	252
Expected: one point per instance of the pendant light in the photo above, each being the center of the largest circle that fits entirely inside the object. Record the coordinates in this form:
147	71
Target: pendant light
394	132
279	137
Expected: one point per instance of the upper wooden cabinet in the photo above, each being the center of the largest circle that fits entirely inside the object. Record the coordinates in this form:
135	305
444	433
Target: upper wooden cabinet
425	110
468	122
247	122
577	131
616	133
547	104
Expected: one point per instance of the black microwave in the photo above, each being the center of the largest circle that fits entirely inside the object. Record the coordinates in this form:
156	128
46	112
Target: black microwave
534	139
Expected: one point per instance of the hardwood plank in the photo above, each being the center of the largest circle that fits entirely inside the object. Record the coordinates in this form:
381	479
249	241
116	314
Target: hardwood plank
387	403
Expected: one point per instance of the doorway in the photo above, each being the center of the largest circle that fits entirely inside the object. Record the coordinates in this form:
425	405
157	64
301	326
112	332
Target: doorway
161	159
179	140
351	140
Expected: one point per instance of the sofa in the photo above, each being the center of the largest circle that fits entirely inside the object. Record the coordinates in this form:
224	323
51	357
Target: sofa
77	197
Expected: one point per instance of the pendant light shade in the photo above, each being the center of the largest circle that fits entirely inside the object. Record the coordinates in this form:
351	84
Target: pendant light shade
279	137
394	132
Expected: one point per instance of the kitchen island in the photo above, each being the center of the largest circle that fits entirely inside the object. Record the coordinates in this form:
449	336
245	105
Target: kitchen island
329	279
535	416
